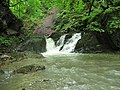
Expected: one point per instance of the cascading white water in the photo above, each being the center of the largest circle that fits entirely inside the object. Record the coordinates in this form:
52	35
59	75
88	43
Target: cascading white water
50	44
52	48
71	43
68	47
60	42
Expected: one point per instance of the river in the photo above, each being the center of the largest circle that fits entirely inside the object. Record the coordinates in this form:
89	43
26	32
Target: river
66	72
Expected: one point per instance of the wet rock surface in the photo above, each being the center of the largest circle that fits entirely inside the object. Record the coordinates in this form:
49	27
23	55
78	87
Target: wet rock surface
29	69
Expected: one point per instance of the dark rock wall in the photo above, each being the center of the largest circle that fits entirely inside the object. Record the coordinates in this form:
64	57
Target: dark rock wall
9	23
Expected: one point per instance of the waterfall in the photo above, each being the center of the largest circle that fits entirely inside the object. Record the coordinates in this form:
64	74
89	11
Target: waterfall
67	47
50	44
71	43
52	48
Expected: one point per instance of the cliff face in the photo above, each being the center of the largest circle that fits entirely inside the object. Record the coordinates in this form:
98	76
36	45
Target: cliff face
9	23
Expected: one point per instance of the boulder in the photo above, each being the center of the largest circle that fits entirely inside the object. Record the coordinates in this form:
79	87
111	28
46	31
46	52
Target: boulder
29	69
35	43
97	42
88	44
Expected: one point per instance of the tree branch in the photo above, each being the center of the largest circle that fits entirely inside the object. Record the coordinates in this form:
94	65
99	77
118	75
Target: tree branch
90	8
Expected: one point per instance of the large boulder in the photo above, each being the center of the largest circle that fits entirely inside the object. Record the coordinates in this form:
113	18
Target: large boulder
35	43
89	44
96	42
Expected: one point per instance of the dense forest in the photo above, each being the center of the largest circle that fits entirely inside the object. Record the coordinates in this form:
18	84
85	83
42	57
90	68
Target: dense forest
101	18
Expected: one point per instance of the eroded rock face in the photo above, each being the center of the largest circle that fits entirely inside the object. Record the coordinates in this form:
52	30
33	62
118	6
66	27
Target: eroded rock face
29	69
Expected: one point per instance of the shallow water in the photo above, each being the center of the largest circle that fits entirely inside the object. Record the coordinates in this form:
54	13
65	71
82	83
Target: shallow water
66	72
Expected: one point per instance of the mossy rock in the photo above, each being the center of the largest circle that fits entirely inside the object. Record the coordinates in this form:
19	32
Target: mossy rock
34	44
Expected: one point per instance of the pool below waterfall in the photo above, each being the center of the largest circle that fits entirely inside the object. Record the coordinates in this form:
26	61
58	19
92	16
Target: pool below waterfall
66	72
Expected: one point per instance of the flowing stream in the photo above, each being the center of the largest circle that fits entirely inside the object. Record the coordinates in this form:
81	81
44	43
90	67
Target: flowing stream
65	71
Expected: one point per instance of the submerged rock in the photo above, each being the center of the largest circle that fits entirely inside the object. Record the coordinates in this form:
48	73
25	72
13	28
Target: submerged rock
29	69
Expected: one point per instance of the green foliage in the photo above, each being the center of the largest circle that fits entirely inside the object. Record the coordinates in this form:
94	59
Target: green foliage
94	26
79	17
113	24
4	41
33	11
75	15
